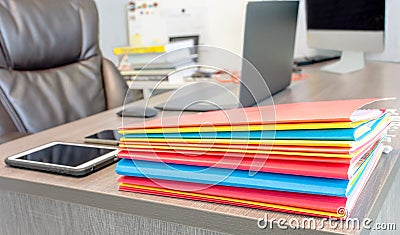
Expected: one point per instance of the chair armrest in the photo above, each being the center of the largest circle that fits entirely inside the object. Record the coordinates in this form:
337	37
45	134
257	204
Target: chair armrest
114	85
11	136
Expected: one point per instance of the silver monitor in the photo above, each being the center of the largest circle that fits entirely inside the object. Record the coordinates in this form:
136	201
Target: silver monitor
351	26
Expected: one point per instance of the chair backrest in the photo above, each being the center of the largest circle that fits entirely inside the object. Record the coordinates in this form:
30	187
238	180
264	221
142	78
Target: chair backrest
50	63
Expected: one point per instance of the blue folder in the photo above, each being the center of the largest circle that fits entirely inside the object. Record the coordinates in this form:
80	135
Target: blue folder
348	134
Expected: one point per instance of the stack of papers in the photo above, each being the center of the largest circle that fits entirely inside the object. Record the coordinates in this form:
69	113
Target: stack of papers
305	158
172	61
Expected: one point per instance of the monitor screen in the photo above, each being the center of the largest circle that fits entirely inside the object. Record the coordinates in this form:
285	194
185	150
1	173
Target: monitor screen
346	15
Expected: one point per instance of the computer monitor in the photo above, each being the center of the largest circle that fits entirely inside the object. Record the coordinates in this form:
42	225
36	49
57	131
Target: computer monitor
351	26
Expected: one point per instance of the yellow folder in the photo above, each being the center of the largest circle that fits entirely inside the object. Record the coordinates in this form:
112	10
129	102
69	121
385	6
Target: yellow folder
267	127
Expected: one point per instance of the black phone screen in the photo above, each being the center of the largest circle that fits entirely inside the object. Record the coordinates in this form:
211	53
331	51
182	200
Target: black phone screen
105	135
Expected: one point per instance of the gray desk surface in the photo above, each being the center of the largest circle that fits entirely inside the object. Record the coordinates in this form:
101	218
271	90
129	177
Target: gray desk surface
100	189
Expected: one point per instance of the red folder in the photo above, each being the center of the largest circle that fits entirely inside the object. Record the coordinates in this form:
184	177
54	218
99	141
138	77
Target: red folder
241	155
334	168
307	112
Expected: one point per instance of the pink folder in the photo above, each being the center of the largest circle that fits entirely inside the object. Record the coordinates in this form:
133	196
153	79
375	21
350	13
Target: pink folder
307	112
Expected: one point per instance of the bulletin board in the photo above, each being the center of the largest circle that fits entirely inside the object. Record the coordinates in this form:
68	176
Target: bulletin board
154	22
145	23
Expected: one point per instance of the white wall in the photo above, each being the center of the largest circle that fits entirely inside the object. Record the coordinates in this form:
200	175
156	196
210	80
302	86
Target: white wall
113	26
224	24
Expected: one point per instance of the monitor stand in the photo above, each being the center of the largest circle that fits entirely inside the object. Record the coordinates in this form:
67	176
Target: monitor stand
350	61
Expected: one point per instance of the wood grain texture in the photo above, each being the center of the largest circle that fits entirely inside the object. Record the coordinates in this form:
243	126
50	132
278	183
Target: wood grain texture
100	189
389	212
38	215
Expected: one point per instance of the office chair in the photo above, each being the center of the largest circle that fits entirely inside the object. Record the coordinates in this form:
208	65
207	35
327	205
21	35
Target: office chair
51	67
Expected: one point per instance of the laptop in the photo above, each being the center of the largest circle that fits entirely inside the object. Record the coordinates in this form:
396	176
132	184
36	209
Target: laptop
269	37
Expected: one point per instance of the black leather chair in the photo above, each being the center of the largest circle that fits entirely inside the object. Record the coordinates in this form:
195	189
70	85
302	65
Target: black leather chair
51	68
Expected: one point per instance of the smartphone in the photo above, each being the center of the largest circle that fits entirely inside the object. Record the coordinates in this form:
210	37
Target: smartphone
107	137
65	158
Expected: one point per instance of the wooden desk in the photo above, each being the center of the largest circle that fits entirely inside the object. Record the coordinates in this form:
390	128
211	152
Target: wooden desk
35	202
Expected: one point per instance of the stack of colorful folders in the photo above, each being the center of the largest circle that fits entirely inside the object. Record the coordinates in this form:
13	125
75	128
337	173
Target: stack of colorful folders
305	158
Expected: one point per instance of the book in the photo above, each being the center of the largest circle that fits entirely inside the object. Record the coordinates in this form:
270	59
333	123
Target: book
154	48
171	56
139	50
167	60
164	62
147	72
